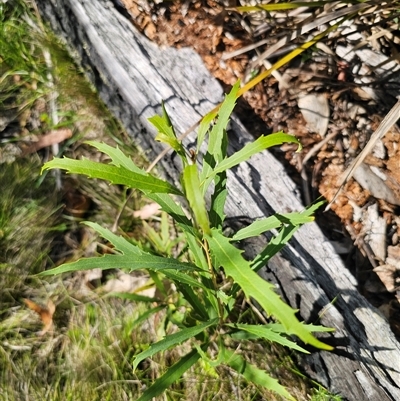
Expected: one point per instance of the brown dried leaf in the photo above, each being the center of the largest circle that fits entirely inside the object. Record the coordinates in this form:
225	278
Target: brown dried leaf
45	313
53	137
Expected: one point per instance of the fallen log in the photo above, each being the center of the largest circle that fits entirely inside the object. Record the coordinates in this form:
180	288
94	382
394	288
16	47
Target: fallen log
132	76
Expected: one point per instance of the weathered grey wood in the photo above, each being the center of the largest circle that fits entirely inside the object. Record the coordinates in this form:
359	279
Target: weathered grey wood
132	75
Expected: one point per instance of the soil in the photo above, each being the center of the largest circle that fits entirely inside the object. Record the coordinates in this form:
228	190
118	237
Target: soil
214	32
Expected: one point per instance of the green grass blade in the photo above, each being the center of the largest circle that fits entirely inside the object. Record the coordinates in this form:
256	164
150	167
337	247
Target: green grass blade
126	262
281	6
132	297
254	374
116	175
267	333
172	340
144	316
260	226
173	374
195	197
235	266
120	243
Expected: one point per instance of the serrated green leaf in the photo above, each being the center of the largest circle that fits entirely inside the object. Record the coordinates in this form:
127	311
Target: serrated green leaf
267	333
278	328
166	132
260	144
116	175
166	203
173	374
235	266
171	340
117	156
120	243
127	262
274	246
281	239
195	197
178	277
260	226
193	299
254	374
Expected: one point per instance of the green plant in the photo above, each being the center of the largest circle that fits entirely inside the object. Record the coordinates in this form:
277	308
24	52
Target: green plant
205	297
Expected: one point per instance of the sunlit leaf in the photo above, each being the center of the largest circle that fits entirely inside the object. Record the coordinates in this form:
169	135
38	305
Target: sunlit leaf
267	333
235	266
260	144
116	175
277	220
120	243
254	374
126	262
173	374
195	196
172	340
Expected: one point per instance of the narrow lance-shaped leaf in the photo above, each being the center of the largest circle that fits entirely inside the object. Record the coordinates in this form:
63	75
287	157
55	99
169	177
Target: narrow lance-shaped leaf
173	339
195	197
166	132
173	374
126	262
280	240
118	158
260	144
193	298
266	332
120	243
164	200
204	127
116	175
216	146
254	374
254	286
260	226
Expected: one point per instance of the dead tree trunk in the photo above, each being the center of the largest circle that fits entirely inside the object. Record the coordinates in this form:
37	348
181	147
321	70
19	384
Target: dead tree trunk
132	76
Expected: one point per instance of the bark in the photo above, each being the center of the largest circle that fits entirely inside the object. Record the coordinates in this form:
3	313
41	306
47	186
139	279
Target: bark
132	76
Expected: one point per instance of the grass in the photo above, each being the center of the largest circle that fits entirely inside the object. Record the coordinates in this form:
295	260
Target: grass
88	353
